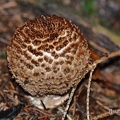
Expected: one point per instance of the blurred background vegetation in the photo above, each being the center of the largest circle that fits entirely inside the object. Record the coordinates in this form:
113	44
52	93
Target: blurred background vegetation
102	15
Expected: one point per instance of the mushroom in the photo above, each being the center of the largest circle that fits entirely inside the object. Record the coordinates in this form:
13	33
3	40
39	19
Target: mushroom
47	56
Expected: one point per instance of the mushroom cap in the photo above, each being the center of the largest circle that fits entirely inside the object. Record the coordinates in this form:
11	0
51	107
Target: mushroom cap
47	55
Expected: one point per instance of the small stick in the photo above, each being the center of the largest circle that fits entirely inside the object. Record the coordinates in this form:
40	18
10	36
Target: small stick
106	114
69	118
103	106
113	54
68	103
91	69
88	94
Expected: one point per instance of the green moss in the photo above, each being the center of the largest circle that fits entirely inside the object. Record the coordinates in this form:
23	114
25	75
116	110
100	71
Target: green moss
89	7
3	55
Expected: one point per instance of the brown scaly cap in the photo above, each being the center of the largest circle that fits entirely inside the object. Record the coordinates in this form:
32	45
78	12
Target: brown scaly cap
47	55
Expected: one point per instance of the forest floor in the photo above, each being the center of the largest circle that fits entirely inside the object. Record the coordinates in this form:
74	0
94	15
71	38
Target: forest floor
100	24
